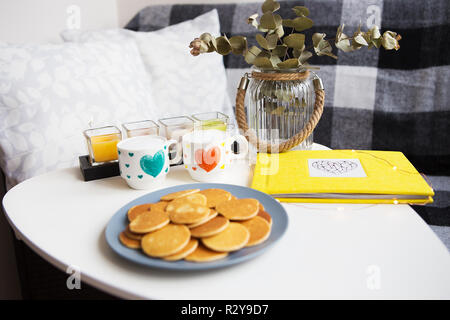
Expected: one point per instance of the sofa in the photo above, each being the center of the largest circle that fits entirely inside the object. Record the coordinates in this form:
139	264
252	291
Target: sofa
378	100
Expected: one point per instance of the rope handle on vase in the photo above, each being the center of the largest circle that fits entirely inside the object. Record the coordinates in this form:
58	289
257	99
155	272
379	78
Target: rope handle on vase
297	138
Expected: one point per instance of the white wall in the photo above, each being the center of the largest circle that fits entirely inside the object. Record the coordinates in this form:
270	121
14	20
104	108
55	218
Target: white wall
43	20
126	9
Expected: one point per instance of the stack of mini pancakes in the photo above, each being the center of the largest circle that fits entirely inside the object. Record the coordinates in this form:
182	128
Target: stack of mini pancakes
194	225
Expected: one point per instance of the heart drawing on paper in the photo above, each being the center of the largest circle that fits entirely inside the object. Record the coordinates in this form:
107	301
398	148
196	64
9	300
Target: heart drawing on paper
335	167
152	165
207	160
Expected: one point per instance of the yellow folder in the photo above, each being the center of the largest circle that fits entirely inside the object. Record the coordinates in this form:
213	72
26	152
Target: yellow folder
341	176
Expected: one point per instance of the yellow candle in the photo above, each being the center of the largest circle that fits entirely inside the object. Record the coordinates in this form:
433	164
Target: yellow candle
214	124
104	147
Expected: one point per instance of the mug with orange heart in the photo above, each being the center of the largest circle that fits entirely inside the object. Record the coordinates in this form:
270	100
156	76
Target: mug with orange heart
208	154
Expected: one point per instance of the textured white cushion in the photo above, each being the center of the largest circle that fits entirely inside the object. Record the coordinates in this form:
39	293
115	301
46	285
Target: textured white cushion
50	93
182	84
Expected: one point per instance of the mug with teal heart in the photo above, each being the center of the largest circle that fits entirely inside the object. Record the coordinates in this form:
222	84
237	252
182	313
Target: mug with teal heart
144	160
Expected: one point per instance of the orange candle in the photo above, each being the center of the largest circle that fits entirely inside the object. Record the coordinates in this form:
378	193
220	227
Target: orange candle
104	147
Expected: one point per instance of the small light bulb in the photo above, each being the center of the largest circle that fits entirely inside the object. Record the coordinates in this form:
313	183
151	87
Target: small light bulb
395	201
394	168
353	150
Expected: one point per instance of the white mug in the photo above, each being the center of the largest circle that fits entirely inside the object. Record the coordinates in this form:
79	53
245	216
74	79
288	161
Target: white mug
144	160
208	154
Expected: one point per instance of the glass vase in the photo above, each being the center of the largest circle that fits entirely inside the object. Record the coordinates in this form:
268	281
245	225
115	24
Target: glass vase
277	110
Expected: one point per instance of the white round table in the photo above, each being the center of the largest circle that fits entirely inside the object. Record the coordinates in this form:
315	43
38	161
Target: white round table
328	251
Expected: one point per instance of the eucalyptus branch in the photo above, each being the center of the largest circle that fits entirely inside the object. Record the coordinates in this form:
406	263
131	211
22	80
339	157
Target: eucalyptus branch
272	51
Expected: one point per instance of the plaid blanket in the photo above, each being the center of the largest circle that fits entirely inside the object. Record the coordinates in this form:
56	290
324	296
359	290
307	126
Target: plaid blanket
376	99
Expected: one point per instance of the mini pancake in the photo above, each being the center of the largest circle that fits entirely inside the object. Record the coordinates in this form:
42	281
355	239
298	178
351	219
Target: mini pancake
127	242
178	194
234	237
210	228
189	209
239	209
159	205
149	221
215	196
195	198
266	216
259	230
130	234
166	241
137	210
203	254
261	207
183	253
189	213
212	214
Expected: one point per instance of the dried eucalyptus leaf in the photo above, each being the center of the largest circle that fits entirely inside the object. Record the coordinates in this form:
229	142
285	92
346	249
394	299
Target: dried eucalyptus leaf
204	47
375	32
390	40
302	23
300	103
238	44
297	52
210	41
301	11
252	20
283	95
262	62
342	42
262	29
324	49
359	39
279	32
317	38
305	55
272	40
275	60
279	111
207	37
280	50
270	6
356	46
377	42
270	21
344	45
288	23
321	46
295	40
251	54
264	53
269	42
261	41
223	45
288	64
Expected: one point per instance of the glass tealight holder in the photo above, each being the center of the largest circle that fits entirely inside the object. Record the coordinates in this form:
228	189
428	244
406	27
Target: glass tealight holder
102	144
140	128
175	128
211	120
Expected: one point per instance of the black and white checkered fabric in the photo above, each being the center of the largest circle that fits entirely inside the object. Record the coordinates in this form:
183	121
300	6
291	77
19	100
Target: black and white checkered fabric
375	99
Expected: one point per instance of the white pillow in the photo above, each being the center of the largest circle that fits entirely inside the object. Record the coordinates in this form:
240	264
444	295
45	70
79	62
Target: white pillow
50	93
182	84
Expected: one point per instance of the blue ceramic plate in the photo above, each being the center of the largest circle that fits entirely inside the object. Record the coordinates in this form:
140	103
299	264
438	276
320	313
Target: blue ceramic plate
119	221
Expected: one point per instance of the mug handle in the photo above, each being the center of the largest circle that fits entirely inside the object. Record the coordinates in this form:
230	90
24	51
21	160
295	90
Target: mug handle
243	146
178	154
